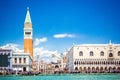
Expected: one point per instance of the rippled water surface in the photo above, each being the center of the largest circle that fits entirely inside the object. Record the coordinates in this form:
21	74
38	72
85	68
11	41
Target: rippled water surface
65	77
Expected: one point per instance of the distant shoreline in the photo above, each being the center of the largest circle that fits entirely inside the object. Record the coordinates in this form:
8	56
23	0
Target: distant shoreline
62	74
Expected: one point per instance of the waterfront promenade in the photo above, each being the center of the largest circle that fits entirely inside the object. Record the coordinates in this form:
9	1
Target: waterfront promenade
100	76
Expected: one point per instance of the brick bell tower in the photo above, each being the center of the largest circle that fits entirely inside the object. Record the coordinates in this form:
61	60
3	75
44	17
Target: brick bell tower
28	33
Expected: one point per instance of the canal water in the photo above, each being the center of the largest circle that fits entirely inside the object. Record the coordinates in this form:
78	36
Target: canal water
65	77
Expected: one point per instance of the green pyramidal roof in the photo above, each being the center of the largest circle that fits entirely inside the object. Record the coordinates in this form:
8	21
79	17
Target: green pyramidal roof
28	19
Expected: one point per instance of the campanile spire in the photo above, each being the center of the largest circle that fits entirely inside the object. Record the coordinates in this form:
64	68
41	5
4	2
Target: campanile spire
28	18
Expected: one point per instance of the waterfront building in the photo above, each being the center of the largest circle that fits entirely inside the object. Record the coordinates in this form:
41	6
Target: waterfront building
21	61
46	67
36	66
94	58
28	33
5	59
59	65
42	66
64	63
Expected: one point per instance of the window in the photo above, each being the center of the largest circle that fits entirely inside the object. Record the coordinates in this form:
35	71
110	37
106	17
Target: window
118	53
80	53
91	53
101	53
28	33
75	63
19	60
24	60
8	54
110	55
15	60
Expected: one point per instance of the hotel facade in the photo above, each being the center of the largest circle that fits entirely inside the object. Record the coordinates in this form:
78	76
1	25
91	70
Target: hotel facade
94	58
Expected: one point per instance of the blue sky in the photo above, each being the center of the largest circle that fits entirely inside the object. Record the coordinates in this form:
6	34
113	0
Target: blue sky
87	21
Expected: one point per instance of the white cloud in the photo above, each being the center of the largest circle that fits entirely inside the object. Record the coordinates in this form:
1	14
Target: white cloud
14	47
45	54
38	41
63	35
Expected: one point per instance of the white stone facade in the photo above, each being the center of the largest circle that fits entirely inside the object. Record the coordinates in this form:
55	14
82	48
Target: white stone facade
94	57
21	62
